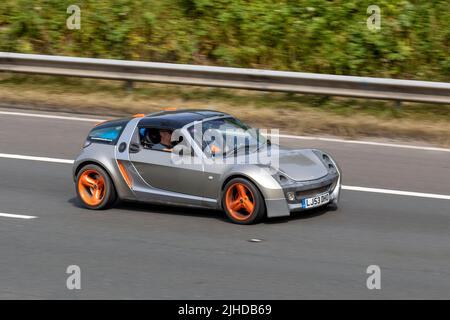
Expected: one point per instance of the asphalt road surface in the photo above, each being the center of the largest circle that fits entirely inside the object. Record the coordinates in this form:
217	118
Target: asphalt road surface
142	251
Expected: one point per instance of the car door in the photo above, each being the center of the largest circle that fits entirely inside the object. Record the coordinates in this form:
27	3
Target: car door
161	170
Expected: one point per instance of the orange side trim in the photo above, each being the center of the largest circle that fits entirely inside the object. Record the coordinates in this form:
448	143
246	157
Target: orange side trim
170	109
138	115
124	173
99	123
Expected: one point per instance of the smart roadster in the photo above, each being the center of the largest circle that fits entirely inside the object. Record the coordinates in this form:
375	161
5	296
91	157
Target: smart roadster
202	158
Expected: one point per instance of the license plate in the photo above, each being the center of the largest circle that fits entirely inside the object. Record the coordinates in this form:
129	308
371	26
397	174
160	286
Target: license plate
316	201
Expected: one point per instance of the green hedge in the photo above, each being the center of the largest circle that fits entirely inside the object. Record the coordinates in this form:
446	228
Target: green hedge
302	35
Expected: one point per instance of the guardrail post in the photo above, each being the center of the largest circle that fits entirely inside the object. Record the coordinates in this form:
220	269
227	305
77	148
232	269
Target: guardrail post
398	104
129	85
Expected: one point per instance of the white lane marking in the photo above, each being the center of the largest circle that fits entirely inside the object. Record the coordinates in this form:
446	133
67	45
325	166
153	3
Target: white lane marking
16	216
398	192
372	143
287	136
48	116
349	188
44	159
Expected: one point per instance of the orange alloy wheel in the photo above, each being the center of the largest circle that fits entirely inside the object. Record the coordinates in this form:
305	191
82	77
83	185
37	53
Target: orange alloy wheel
91	187
240	201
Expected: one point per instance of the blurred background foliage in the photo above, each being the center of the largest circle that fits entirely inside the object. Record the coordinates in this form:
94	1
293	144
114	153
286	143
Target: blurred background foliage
300	35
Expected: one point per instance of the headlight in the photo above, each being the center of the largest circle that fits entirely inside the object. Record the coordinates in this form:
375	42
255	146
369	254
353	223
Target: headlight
290	196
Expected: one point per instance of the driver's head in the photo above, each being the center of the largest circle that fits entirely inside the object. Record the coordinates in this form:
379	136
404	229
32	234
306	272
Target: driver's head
166	136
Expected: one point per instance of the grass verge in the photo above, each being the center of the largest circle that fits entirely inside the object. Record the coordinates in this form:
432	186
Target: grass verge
291	113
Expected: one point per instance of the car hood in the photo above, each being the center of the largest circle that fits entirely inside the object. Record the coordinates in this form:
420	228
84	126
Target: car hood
301	164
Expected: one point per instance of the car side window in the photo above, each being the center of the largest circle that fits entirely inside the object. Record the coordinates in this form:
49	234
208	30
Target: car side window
108	133
158	139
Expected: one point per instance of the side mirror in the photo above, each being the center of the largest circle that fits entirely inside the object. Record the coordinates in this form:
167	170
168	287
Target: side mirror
177	140
134	147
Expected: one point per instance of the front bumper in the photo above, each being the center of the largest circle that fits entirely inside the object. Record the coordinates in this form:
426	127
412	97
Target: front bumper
280	207
330	183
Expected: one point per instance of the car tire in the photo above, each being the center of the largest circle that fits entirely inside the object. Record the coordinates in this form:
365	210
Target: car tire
94	188
243	202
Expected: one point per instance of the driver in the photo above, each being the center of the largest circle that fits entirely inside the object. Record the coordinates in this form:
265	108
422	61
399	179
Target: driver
165	143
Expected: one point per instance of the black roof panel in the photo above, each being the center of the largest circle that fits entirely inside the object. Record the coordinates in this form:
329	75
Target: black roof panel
177	119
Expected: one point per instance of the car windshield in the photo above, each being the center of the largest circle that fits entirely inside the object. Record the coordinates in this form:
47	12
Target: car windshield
225	136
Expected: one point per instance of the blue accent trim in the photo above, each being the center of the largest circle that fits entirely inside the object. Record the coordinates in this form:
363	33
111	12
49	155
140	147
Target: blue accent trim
142	132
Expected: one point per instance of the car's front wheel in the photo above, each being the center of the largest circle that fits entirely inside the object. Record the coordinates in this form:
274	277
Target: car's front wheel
95	188
243	202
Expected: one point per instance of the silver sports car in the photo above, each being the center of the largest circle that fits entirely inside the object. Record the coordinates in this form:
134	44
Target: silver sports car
202	158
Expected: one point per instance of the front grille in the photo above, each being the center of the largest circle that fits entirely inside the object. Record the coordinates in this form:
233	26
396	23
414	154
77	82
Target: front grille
312	192
312	188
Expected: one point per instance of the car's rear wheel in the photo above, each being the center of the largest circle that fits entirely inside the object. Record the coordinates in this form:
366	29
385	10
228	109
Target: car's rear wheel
95	188
243	202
